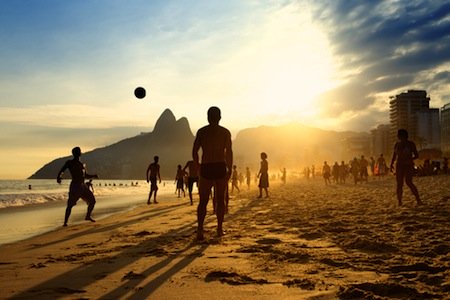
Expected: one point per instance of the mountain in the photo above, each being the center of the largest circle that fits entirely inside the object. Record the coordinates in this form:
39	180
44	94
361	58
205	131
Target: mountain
170	139
292	146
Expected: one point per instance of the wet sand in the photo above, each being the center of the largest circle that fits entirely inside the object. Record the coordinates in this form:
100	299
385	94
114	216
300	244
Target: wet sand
307	241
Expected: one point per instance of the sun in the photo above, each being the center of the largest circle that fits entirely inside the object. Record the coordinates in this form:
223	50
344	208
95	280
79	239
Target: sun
293	65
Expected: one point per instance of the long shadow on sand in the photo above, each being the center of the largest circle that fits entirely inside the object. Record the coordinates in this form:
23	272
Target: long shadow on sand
144	216
74	281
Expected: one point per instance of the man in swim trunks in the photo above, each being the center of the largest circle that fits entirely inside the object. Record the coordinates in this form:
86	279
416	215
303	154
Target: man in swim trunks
78	188
215	168
152	176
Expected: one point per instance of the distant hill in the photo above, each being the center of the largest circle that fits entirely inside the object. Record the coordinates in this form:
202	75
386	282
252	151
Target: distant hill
170	139
293	146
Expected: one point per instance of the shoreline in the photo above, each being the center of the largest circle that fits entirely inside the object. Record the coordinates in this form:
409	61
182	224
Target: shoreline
35	219
307	241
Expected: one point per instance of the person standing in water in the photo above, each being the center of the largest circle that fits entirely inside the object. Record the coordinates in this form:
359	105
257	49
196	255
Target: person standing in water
405	152
215	168
78	188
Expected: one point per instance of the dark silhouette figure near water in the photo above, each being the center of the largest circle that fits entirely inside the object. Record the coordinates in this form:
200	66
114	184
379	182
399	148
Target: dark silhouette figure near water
78	188
152	176
215	168
192	168
405	152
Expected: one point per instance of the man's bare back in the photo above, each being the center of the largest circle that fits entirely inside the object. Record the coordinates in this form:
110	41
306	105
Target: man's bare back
215	168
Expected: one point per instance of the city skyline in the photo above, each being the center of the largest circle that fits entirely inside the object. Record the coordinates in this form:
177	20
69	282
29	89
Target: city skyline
69	69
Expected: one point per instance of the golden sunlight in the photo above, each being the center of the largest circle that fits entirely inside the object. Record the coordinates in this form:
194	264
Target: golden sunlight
293	66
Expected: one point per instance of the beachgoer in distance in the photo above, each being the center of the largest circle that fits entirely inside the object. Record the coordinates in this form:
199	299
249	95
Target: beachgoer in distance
283	175
263	175
78	188
215	168
179	180
192	168
234	180
363	174
381	165
326	172
405	152
152	176
248	177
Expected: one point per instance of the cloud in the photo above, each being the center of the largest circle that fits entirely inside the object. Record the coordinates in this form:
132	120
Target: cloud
388	46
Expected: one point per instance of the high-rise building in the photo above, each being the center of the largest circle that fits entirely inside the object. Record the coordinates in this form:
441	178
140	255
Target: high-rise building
445	129
428	133
411	111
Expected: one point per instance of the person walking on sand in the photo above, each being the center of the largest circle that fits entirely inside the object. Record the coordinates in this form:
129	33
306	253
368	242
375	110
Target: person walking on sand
248	177
215	168
152	176
234	180
326	173
78	188
263	175
192	168
405	152
179	180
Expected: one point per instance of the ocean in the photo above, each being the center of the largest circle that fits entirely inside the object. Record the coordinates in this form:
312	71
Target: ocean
35	206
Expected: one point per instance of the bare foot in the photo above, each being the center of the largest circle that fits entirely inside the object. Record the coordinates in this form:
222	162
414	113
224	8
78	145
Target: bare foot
220	232
89	219
200	236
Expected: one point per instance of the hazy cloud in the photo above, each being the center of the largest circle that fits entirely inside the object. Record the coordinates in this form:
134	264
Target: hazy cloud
388	45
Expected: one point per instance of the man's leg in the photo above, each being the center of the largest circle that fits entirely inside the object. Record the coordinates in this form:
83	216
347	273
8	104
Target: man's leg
399	175
154	196
150	196
68	212
90	200
412	187
221	186
204	188
70	203
190	188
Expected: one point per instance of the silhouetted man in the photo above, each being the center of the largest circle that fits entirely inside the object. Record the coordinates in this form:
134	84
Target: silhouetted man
192	176
215	168
152	176
78	188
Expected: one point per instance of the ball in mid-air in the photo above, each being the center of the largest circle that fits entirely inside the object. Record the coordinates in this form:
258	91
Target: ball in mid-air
139	92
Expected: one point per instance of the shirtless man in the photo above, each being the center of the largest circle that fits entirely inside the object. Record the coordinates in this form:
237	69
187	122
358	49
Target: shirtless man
405	152
215	169
78	188
152	177
192	176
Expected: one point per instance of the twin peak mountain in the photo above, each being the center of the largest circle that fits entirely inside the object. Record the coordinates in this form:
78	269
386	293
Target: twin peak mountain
292	146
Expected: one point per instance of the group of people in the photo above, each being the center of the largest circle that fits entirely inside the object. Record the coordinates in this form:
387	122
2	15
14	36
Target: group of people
357	168
212	173
215	169
402	164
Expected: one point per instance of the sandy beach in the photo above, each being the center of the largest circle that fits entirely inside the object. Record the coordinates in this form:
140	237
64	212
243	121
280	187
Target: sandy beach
307	241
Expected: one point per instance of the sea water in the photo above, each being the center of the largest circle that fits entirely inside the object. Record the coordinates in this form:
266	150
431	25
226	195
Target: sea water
31	207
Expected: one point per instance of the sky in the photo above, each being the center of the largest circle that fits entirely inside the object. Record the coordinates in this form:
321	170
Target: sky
68	69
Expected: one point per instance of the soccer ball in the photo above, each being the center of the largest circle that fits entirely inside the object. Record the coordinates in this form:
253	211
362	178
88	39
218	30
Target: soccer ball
139	92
